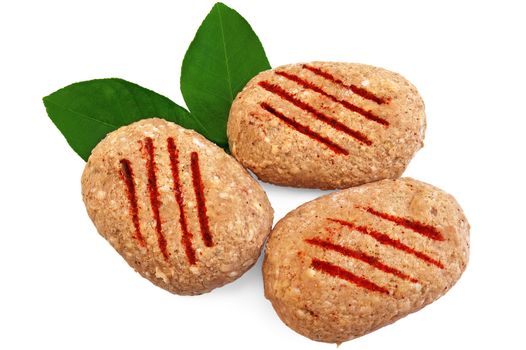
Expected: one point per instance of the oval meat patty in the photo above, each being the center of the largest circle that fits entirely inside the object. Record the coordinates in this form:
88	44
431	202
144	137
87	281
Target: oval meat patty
353	261
179	210
326	125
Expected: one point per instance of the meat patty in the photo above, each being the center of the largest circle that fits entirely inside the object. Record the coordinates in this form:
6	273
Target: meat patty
179	210
326	125
353	261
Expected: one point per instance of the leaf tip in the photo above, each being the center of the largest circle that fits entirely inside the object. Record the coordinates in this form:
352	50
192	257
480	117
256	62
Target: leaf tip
45	102
222	6
219	4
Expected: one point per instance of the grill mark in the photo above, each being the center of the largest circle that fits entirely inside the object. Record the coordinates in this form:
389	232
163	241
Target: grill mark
154	195
350	106
279	91
368	259
356	89
201	201
414	225
336	271
305	130
186	237
127	176
386	240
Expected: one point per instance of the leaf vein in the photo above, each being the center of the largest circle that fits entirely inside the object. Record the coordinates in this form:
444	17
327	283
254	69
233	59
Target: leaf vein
85	116
223	41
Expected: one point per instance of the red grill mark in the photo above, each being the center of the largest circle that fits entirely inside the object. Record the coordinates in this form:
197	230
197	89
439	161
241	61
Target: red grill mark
352	107
417	226
339	272
385	239
277	90
186	237
305	130
368	259
200	198
127	176
154	195
356	89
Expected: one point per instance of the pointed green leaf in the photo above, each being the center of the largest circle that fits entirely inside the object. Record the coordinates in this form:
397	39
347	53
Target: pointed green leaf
224	55
85	112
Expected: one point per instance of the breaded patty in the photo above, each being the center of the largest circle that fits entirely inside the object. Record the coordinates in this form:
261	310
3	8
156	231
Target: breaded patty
179	210
353	261
326	125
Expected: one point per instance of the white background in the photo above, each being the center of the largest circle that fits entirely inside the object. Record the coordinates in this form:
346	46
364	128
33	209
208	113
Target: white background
63	287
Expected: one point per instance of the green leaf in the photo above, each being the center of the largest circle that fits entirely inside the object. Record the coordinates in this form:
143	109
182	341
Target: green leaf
224	55
85	112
